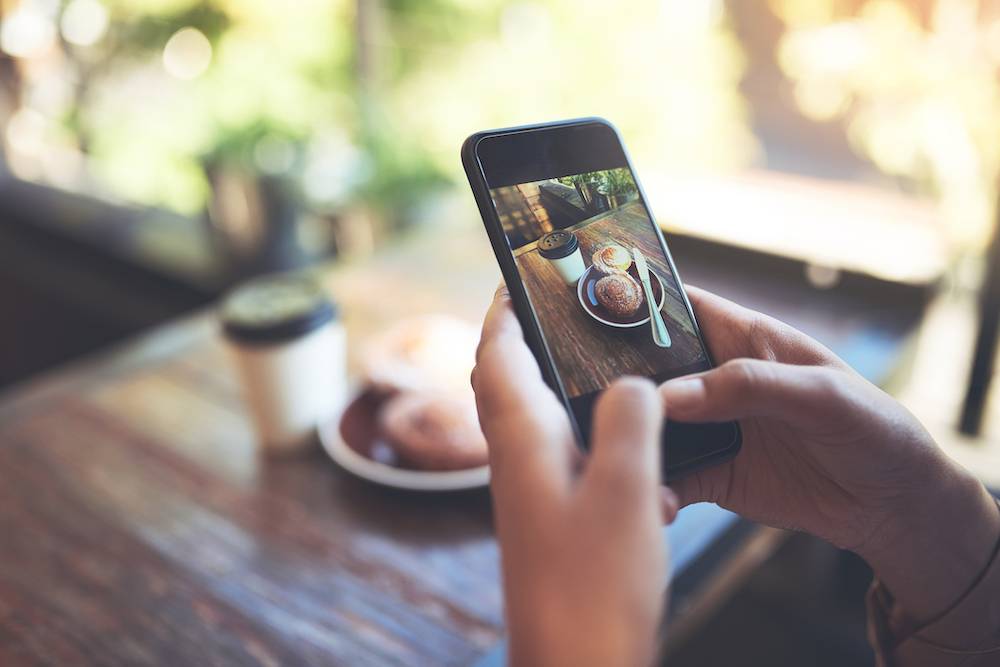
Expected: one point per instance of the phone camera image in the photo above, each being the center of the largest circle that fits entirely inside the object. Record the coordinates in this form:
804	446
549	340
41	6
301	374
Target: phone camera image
600	284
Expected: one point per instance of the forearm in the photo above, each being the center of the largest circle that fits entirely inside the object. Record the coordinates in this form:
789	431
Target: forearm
937	596
936	543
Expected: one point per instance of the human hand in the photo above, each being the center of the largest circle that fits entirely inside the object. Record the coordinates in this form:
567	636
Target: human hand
827	452
583	555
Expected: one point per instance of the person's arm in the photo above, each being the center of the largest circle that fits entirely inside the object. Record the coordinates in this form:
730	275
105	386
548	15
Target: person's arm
966	632
827	452
581	543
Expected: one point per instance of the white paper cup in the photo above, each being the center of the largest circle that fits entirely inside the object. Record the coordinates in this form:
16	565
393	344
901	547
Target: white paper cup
562	249
289	350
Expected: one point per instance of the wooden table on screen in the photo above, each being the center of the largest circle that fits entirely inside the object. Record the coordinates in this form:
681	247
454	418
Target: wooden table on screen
138	527
590	354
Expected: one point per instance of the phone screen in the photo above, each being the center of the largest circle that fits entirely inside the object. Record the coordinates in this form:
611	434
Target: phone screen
579	232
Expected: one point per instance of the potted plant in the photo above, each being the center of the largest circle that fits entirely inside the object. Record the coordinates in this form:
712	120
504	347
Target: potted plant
618	187
586	186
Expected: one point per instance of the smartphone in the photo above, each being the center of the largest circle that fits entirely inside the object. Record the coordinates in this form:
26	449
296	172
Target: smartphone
589	273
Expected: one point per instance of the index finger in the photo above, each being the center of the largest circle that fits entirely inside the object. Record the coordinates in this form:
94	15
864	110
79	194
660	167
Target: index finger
734	331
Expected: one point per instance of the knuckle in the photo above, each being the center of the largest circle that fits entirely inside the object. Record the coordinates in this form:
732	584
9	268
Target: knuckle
831	382
742	374
764	334
758	342
773	340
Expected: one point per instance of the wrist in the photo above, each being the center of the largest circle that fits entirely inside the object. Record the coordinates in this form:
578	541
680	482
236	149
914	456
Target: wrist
934	541
597	636
599	648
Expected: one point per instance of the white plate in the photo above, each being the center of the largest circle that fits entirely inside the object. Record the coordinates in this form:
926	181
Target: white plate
400	478
619	325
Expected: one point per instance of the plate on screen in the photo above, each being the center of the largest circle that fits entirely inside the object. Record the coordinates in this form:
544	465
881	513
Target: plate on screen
585	293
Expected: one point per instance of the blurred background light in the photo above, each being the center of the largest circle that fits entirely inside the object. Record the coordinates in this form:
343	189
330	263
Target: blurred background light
915	86
84	22
27	32
273	155
363	102
187	54
696	15
333	168
525	23
26	131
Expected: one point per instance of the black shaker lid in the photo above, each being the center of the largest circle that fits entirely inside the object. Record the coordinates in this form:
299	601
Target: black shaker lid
558	244
276	308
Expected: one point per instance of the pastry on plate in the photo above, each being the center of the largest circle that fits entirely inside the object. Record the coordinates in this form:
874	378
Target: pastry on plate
433	352
433	431
619	294
611	258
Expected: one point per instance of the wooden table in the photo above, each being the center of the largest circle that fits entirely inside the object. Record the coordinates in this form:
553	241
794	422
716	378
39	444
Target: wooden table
590	355
138	527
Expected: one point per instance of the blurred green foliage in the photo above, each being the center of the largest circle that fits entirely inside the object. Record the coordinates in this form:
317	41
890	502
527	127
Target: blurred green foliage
618	181
375	110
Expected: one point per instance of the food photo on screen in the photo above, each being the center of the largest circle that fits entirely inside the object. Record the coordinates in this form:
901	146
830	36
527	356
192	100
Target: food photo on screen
607	302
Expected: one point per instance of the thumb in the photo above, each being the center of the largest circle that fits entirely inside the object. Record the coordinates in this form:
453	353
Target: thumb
625	444
742	388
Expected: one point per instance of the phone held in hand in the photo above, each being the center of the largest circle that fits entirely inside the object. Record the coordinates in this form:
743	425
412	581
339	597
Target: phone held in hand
589	272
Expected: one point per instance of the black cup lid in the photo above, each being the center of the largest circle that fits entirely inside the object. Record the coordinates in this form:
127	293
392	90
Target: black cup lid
276	308
558	244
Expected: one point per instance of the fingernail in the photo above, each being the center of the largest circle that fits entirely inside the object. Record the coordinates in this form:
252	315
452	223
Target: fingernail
683	391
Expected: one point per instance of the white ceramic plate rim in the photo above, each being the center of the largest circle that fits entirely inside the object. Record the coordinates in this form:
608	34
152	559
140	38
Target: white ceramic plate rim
380	473
639	323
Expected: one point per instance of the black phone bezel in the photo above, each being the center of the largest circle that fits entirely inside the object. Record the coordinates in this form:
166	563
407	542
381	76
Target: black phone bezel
519	296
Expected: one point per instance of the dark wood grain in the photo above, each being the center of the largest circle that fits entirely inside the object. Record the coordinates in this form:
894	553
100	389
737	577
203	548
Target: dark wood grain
588	354
139	526
140	510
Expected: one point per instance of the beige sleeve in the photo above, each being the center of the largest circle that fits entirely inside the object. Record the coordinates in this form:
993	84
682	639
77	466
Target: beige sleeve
966	635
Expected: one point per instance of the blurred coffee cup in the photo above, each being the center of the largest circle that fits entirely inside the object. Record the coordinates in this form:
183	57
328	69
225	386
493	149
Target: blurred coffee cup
288	346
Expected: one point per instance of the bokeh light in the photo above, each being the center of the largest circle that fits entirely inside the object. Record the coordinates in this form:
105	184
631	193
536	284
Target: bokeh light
27	32
187	54
84	22
179	87
918	93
